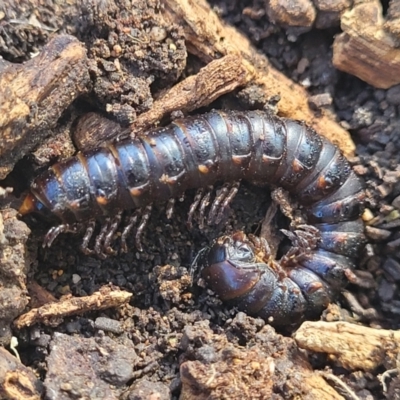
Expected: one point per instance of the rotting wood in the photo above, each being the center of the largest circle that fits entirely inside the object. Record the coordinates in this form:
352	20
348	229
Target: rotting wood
208	38
366	48
351	346
219	77
52	313
17	381
33	96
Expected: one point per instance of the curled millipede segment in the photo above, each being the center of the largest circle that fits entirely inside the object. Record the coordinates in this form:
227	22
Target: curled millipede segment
197	152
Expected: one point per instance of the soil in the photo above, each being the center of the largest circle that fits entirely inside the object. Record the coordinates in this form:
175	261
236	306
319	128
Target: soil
159	343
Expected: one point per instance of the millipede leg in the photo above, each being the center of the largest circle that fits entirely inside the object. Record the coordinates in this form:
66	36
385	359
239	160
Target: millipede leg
217	202
203	205
194	205
131	222
52	234
281	197
86	238
303	240
110	234
261	245
230	196
99	239
143	223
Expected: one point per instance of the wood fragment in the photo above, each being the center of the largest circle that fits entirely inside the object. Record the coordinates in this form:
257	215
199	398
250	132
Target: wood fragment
52	313
39	296
33	96
351	346
366	48
17	381
208	38
93	129
219	77
339	385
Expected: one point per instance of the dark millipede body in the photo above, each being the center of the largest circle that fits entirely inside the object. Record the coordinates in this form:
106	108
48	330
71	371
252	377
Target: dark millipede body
197	152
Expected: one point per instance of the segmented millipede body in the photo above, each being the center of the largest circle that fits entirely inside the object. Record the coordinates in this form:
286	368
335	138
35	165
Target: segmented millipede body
195	153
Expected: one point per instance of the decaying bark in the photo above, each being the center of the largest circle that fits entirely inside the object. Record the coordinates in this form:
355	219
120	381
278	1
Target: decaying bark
367	48
33	96
219	77
52	313
208	38
351	346
14	265
17	381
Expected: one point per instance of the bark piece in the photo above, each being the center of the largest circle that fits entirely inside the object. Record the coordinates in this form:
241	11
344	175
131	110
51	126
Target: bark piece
52	313
39	296
392	23
208	38
17	382
14	264
33	96
217	78
365	48
352	346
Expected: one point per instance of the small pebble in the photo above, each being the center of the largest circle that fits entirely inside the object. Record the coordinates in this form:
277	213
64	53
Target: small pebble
320	100
392	268
302	65
108	325
386	290
377	233
393	95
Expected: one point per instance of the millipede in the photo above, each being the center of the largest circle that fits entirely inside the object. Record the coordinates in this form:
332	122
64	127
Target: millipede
117	185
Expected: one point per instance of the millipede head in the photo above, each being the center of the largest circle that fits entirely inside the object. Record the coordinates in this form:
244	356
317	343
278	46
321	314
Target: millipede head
230	268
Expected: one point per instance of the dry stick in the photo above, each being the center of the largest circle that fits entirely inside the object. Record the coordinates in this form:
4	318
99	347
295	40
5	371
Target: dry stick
215	79
51	314
352	346
208	38
33	95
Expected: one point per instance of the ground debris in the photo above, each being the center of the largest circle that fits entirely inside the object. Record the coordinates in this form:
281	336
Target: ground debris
95	368
17	382
215	79
53	313
366	47
14	262
147	390
135	61
298	14
133	52
351	346
34	95
213	367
